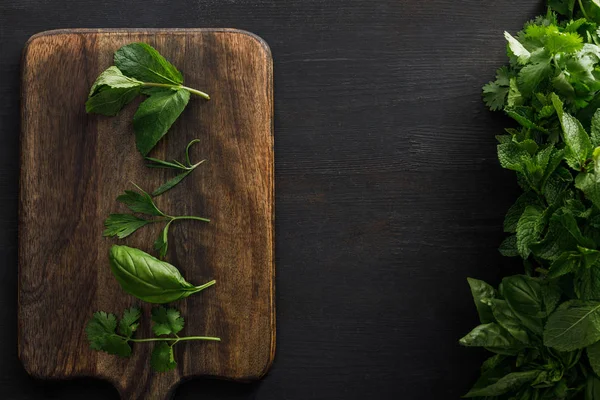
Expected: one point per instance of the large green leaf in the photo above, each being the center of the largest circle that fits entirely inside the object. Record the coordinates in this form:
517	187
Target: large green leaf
574	325
525	298
494	338
481	291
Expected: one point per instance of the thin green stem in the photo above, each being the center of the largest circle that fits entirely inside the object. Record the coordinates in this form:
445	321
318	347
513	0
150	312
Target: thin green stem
582	9
169	86
180	339
191	217
197	92
206	285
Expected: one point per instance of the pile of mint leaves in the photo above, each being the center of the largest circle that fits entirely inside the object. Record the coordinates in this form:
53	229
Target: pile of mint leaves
543	326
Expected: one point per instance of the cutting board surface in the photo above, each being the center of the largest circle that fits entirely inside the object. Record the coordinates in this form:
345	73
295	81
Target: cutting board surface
74	165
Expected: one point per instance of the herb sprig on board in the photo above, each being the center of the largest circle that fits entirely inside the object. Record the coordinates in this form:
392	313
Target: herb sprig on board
141	70
107	333
544	325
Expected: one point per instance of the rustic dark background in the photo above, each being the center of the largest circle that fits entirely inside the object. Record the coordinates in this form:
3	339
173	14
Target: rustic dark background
388	190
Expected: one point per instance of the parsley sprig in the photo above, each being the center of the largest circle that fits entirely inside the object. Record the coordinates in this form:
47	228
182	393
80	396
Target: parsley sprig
108	334
123	225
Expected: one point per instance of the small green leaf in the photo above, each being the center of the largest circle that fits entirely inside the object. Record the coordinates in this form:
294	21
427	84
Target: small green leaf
155	116
162	359
508	247
506	318
566	263
595	129
574	325
166	321
517	48
141	61
576	138
109	101
128	324
532	75
510	382
592	388
480	291
593	353
114	78
529	229
162	243
168	185
516	210
139	202
123	225
494	338
101	334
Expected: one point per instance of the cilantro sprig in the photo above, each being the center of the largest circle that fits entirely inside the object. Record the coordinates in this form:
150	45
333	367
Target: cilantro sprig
141	70
140	202
108	334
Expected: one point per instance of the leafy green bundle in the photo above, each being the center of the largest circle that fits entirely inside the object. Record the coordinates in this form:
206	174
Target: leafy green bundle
544	326
140	69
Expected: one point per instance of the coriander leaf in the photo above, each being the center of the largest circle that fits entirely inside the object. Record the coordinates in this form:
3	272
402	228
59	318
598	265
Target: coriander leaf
140	202
494	338
148	278
129	323
517	48
101	334
566	263
166	321
122	225
113	78
480	291
168	185
109	101
494	95
529	228
562	42
515	98
141	61
505	384
162	359
563	86
593	353
532	75
155	116
564	7
574	325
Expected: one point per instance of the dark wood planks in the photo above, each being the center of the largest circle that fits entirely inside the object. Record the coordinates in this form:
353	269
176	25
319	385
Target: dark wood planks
74	165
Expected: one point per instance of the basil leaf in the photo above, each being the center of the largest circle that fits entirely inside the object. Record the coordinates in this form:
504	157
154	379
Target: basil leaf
508	320
574	325
505	384
155	116
494	338
148	278
524	296
143	62
480	291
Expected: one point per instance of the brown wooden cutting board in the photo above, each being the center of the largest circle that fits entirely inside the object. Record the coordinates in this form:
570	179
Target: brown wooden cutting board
74	165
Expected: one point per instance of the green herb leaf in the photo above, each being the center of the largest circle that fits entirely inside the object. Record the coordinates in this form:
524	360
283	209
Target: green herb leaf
593	353
123	225
101	334
517	48
524	296
494	338
143	62
167	321
480	291
148	278
592	388
574	325
163	359
140	202
155	116
109	101
129	323
505	384
529	229
575	137
168	185
507	319
113	78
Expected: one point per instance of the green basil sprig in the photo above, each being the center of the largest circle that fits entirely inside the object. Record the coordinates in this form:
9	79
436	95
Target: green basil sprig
148	278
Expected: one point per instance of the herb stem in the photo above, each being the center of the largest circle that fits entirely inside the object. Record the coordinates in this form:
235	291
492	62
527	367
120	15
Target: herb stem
582	9
207	284
191	217
167	85
179	339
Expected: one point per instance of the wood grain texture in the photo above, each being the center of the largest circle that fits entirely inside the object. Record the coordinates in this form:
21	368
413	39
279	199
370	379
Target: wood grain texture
74	165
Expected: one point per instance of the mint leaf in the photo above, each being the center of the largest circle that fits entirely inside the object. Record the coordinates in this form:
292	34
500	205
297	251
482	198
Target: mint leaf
166	321
587	283
529	228
563	235
155	116
595	129
516	210
566	263
508	247
143	62
163	359
574	325
114	78
593	353
480	291
123	225
575	137
109	101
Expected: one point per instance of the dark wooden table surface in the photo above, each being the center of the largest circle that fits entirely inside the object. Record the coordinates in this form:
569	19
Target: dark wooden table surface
388	190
